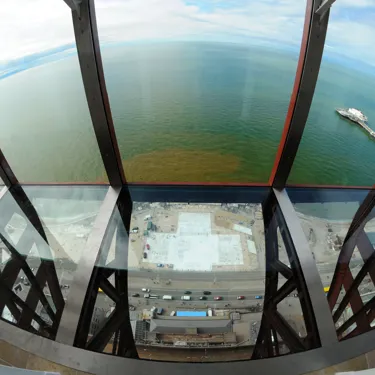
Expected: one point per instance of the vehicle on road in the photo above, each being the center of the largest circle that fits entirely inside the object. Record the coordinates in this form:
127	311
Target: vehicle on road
206	293
160	265
218	298
241	297
147	246
135	295
145	289
258	297
173	313
167	297
186	298
146	295
144	255
147	217
209	312
154	296
187	292
159	310
203	298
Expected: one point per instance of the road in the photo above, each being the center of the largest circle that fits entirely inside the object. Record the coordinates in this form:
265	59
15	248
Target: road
227	295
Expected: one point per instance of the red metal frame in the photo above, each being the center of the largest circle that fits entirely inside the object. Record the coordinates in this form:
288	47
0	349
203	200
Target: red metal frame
296	87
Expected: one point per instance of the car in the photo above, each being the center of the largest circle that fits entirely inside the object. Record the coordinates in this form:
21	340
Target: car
206	293
241	297
187	292
258	297
144	255
203	298
147	246
160	265
135	295
145	290
218	298
295	295
135	229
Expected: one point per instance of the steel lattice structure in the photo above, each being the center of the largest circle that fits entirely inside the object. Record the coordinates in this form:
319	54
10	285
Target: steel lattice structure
275	330
68	322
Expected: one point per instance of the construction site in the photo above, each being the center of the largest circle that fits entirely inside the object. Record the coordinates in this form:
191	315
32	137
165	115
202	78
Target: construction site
196	237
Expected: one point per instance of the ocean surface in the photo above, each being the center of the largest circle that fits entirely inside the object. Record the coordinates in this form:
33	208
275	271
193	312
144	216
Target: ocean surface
186	112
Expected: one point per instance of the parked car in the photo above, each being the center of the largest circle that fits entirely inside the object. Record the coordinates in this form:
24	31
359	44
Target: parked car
147	246
135	295
160	265
187	292
218	298
258	297
206	293
159	310
241	297
144	255
203	298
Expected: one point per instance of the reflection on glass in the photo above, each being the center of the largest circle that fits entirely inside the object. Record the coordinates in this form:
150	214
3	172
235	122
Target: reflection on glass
339	149
42	237
46	130
344	257
205	100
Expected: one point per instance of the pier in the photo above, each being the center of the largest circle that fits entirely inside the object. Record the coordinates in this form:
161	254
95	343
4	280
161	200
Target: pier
367	128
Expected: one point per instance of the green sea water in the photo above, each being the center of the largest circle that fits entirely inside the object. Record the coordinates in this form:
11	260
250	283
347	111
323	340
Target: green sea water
186	112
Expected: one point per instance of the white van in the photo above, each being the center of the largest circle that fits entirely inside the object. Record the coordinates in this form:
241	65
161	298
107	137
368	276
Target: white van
167	297
173	313
186	298
145	290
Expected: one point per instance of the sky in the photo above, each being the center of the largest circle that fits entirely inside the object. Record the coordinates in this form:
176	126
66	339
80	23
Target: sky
30	26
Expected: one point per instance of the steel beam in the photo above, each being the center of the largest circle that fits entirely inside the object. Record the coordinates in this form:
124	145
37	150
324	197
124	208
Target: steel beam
71	315
313	284
311	53
325	5
74	5
118	323
87	40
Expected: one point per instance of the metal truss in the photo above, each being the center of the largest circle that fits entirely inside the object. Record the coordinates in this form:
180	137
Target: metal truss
363	314
25	313
276	336
116	330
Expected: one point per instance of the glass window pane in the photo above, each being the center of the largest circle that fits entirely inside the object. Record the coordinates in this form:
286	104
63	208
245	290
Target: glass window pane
345	262
43	234
336	149
199	90
46	130
197	276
